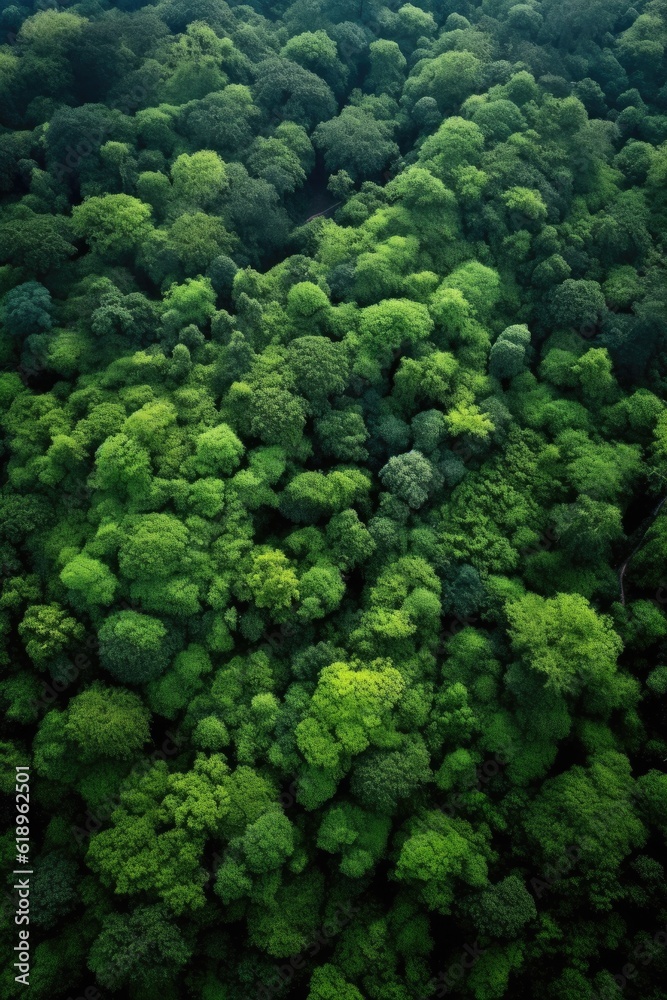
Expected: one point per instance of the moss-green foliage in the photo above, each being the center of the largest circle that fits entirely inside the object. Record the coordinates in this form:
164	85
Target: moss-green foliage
333	349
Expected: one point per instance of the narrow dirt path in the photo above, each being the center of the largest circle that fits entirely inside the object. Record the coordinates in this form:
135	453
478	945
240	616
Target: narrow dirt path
643	529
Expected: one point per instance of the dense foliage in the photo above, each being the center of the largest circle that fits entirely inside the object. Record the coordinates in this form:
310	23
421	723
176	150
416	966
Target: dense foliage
334	347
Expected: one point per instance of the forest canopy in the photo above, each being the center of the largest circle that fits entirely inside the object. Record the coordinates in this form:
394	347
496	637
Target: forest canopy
333	348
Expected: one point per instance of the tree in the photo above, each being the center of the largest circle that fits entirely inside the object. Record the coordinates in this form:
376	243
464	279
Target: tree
198	240
349	542
27	309
268	842
252	210
112	224
90	580
38	242
587	529
436	853
380	272
564	639
107	722
272	581
357	142
552	271
142	946
53	887
308	308
642	40
275	162
48	36
218	451
343	434
321	366
193	301
524	19
310	495
464	595
508	354
317	52
277	416
479	284
457	143
525	207
155	129
174	690
296	138
594	372
498	119
224	121
132	316
156	841
413	23
428	429
635	160
198	179
381	779
122	467
358	836
652	789
222	271
47	631
588	811
152	545
321	590
503	909
349	711
577	303
449	78
411	477
155	189
392	325
196	57
121	165
431	378
134	647
388	68
299	95
48	30
602	471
